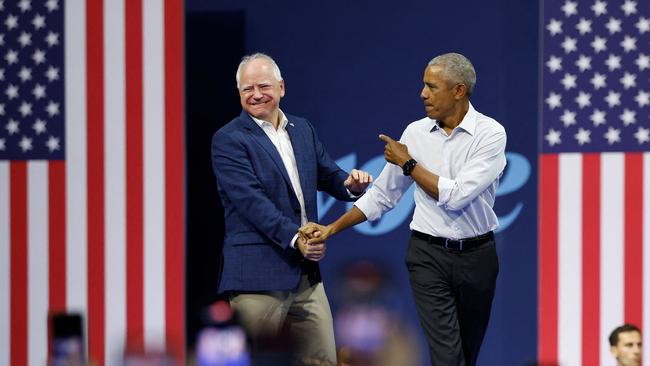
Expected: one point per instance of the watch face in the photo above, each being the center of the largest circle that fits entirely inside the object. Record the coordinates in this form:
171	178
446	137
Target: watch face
408	167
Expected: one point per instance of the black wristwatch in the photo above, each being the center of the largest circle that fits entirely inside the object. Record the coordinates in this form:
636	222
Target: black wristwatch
408	167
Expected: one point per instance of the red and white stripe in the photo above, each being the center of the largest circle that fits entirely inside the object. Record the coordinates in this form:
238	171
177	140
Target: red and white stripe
646	257
5	266
102	233
594	256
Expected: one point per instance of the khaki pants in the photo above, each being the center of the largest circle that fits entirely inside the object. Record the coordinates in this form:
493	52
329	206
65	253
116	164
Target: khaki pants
305	313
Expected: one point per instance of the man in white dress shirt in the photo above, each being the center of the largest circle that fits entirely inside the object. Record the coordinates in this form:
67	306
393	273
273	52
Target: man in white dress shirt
455	156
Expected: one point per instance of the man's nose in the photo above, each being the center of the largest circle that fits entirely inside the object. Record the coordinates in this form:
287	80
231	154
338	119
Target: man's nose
637	350
423	93
257	93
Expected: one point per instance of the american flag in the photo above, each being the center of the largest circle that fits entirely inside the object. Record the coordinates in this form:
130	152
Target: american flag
91	175
594	256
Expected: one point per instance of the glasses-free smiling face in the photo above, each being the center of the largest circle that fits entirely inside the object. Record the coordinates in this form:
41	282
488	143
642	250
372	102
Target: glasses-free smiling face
259	91
628	349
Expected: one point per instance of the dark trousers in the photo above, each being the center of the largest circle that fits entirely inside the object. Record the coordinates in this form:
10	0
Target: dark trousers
453	293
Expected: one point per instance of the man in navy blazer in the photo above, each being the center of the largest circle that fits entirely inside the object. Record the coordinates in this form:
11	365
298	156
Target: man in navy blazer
268	166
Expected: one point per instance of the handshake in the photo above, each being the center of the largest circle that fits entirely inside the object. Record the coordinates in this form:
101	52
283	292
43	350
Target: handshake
312	236
311	240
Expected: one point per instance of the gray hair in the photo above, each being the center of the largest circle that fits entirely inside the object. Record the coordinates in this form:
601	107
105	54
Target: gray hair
256	56
457	68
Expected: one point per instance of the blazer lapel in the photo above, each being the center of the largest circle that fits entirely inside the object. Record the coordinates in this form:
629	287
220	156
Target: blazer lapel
299	144
263	140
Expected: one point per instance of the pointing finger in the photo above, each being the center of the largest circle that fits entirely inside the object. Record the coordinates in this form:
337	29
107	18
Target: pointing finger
385	138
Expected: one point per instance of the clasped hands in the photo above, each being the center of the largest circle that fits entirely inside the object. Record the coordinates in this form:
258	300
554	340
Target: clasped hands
312	236
311	241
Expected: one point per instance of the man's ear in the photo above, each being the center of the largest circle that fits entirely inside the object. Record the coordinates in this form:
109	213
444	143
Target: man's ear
281	88
460	91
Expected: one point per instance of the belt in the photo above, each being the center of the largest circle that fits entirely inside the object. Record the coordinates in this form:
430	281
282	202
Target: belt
453	244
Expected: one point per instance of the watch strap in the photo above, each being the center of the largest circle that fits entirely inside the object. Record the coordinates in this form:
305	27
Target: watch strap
408	167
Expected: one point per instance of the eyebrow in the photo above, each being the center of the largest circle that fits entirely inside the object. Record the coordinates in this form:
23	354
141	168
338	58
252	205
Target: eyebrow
263	82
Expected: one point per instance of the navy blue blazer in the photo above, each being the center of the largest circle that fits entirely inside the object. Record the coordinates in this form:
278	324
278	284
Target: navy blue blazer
261	210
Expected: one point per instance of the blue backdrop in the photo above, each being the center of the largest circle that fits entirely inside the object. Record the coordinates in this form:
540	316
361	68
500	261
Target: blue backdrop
355	70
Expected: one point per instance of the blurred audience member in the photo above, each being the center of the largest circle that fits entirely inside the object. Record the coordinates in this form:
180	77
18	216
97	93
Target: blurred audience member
222	341
625	342
367	324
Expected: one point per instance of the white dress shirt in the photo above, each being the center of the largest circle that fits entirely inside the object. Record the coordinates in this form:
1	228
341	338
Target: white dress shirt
469	163
282	142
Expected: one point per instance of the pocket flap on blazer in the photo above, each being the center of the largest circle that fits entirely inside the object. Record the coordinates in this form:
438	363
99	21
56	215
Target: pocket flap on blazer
245	238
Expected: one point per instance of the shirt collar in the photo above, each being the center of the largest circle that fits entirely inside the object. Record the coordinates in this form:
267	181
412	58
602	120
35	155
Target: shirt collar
468	123
283	121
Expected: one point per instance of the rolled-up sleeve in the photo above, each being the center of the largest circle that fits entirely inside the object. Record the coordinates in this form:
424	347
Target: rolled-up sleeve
385	192
445	187
484	166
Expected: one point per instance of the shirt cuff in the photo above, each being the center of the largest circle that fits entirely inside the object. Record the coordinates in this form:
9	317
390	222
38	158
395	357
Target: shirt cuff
369	208
293	241
445	186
